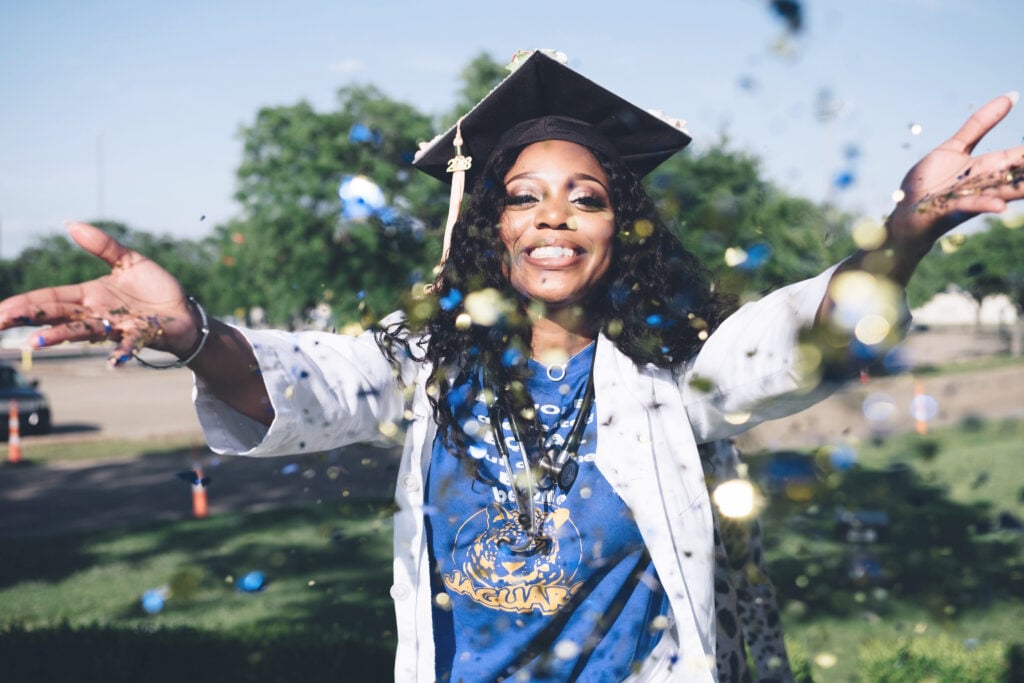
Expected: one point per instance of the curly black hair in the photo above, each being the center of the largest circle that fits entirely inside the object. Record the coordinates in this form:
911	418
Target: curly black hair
657	302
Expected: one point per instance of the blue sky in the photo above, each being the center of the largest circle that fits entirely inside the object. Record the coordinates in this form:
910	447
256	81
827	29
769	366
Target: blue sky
163	88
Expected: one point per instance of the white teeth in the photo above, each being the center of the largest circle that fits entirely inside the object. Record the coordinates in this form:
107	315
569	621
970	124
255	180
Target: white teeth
552	252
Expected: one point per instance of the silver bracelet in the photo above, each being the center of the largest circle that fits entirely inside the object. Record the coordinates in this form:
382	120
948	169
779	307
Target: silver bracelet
204	334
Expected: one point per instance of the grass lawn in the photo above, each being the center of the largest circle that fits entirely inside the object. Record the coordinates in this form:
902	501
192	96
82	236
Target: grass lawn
946	561
322	565
48	451
943	566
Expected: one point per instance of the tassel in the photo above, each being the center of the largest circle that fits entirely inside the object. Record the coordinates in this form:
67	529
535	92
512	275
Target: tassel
457	166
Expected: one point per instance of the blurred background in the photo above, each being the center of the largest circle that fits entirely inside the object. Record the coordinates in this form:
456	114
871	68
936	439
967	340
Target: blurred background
261	152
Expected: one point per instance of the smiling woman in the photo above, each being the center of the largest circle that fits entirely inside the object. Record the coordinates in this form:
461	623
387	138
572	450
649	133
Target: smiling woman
556	380
558	224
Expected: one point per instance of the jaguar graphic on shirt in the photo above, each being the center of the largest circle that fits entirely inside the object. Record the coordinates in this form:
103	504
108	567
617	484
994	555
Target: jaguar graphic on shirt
489	571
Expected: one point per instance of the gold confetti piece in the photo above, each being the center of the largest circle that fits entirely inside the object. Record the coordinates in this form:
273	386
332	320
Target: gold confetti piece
734	256
951	243
736	498
826	660
868	234
26	359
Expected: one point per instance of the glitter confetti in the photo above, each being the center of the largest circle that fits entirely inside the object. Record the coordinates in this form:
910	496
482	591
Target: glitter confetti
361	198
923	407
252	582
362	134
153	600
826	660
486	307
735	498
567	649
879	408
843	179
952	243
868	234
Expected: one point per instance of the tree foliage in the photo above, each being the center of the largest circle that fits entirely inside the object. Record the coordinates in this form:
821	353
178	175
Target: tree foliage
290	249
754	236
478	78
56	260
987	262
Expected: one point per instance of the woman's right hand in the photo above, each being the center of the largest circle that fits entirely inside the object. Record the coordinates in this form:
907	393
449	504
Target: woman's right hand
138	304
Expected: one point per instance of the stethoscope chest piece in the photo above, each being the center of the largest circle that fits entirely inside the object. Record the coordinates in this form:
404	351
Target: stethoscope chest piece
567	474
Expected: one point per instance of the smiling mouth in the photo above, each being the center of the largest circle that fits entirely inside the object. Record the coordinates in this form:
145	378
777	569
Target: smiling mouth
551	252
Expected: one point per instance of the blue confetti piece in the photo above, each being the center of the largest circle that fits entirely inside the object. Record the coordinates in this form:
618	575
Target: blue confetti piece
387	215
361	133
511	357
757	255
252	582
843	180
451	300
153	600
842	457
290	469
654	320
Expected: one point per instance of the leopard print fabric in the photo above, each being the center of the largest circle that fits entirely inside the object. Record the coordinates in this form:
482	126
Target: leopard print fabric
748	621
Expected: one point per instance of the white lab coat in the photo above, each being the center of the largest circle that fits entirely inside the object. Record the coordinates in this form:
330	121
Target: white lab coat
331	390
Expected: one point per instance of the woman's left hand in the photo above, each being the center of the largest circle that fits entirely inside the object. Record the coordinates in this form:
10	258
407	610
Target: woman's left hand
949	185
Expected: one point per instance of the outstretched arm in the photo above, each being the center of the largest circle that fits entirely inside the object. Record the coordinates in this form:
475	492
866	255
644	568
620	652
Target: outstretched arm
139	304
944	189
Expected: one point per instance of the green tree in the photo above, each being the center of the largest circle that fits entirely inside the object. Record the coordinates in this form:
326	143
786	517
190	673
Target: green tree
478	78
720	207
56	260
987	262
290	249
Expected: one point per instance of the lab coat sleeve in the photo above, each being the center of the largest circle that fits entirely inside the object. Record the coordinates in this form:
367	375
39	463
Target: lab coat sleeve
325	391
750	369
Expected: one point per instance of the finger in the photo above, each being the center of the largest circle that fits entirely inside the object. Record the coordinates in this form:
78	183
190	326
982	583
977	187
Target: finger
97	242
980	123
85	330
123	352
47	306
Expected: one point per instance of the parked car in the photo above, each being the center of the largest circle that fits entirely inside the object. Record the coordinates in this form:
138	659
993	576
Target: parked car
33	408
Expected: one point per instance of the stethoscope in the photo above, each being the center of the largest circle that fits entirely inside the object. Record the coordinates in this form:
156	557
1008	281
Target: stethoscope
558	466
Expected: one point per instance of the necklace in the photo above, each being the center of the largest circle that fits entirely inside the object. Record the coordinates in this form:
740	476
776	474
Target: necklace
556	371
557	466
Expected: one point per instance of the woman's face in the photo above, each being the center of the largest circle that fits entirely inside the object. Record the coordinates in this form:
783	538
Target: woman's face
558	223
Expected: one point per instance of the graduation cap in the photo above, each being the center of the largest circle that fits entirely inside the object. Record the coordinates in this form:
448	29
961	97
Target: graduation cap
543	99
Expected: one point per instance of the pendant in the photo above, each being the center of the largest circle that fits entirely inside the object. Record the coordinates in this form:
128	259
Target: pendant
556	373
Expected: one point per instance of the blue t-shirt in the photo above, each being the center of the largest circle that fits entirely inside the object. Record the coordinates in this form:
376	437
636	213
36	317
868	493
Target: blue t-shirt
580	608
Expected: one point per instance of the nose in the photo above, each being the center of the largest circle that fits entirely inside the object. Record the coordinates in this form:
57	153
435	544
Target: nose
552	214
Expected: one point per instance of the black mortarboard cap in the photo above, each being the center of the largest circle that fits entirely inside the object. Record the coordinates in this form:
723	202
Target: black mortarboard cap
576	109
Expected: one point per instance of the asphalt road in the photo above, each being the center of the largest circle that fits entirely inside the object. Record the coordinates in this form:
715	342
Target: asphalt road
91	402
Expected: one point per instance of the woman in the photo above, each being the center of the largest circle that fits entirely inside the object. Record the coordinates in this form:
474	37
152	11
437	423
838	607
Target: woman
577	543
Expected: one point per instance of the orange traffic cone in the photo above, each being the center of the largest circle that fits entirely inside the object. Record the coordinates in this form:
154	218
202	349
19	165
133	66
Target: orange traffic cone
920	418
200	506
13	435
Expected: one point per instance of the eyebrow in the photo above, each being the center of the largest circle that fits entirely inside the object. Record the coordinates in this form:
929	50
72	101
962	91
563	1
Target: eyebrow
575	177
